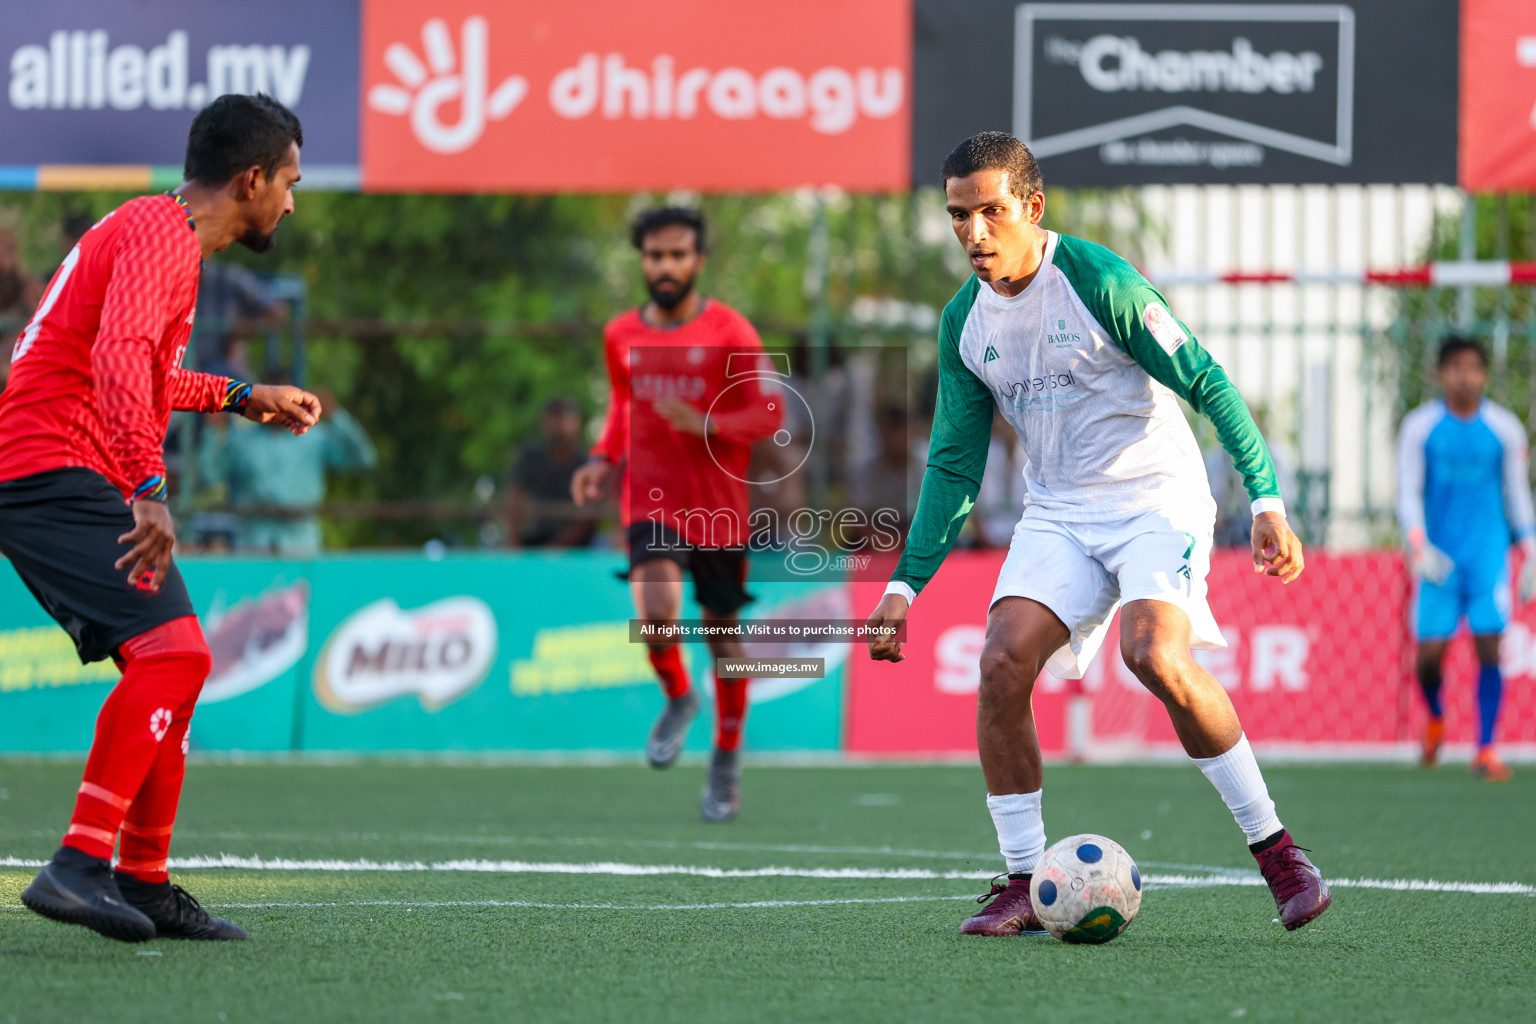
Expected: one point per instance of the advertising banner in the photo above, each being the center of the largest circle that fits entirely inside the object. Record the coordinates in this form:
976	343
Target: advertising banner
109	82
1498	95
1322	666
378	653
1150	93
610	95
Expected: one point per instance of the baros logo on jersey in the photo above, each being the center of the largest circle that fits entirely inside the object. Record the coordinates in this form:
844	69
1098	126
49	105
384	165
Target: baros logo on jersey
611	95
438	652
1185	85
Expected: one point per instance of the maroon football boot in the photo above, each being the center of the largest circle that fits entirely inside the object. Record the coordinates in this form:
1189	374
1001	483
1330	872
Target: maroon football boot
1299	890
1010	913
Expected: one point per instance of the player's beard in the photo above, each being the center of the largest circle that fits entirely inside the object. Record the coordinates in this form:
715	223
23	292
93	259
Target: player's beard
259	241
669	300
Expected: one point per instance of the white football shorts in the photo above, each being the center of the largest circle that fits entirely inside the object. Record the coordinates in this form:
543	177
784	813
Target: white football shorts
1084	571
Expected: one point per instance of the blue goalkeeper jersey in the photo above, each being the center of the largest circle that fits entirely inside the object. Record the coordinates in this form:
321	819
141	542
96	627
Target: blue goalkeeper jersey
1464	481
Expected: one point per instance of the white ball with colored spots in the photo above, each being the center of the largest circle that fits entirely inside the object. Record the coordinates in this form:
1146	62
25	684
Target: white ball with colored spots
1086	889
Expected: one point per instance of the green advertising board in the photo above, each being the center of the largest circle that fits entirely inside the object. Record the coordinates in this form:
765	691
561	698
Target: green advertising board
395	653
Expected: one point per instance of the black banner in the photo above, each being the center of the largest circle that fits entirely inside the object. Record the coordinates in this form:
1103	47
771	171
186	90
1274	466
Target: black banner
1159	93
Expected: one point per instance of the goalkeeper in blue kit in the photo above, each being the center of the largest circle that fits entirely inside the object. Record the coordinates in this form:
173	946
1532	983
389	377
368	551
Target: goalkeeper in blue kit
1463	496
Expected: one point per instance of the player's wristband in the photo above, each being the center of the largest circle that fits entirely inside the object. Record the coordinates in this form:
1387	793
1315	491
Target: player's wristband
902	588
237	394
152	489
1262	505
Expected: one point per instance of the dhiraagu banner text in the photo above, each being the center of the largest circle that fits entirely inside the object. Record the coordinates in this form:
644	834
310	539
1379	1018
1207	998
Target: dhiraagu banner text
381	653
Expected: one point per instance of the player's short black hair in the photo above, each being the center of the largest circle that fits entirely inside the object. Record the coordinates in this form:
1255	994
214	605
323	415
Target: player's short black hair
1457	343
995	151
664	217
235	132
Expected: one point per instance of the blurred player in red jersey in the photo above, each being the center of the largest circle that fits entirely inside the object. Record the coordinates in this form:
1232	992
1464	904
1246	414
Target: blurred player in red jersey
83	519
687	405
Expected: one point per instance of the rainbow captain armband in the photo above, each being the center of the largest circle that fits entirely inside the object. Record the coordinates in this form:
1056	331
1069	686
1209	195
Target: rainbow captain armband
152	489
236	395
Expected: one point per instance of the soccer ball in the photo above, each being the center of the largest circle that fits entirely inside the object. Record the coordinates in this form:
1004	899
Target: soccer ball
1086	889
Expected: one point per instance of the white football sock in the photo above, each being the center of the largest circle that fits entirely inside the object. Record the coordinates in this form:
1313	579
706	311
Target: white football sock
1237	778
1020	828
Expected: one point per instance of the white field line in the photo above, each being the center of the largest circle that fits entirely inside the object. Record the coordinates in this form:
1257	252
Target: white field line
752	905
654	844
614	868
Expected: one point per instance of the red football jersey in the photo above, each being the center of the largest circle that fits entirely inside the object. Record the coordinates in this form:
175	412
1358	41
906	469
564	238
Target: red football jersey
697	486
96	373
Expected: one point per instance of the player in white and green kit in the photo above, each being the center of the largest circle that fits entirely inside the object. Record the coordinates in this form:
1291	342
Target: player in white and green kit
1087	364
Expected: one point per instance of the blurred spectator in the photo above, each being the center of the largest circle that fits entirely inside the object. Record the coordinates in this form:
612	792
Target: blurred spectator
543	514
889	478
231	300
281	478
1000	502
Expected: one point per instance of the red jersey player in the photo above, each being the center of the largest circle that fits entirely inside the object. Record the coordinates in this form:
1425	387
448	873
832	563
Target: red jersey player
688	402
94	378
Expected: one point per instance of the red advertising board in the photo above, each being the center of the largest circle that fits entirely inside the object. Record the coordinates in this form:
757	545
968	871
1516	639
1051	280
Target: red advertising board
1320	666
610	95
1498	95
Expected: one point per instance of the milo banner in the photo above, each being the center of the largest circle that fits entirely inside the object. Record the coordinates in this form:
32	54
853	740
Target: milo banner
375	654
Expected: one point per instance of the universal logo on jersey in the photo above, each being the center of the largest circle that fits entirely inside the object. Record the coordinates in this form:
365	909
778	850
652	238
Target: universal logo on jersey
1041	394
438	653
1185	85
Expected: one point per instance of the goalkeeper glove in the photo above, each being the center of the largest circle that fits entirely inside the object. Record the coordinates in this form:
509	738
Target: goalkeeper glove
1528	571
1429	562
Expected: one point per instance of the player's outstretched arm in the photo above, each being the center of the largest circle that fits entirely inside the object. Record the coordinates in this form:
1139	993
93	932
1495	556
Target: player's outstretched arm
1276	549
283	404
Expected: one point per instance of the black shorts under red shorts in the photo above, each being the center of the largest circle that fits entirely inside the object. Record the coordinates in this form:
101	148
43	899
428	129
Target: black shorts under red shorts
59	529
719	574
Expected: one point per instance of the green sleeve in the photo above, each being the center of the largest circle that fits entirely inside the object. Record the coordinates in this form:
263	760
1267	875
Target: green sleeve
957	452
1138	320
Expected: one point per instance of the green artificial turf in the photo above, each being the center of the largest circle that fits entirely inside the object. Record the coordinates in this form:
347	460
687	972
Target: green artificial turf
1201	953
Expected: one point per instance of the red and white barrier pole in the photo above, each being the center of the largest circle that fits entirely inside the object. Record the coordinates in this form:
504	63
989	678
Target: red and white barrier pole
1441	274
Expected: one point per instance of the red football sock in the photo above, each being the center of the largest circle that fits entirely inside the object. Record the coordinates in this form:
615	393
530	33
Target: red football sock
669	668
163	672
730	712
146	830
